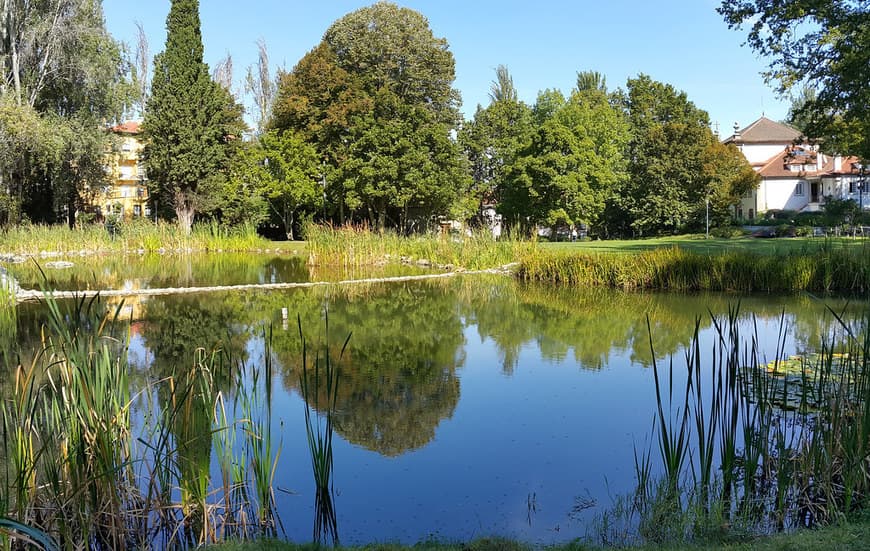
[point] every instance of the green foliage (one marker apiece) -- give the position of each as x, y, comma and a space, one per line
827, 269
669, 138
571, 167
190, 122
822, 46
65, 79
493, 140
289, 177
839, 211
376, 99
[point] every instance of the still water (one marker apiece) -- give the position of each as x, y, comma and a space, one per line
469, 407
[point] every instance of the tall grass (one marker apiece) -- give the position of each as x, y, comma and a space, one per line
755, 445
8, 319
831, 268
321, 379
131, 236
359, 246
84, 469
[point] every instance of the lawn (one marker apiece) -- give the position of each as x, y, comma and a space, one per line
697, 243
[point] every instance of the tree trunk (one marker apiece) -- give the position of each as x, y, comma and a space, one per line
288, 224
184, 211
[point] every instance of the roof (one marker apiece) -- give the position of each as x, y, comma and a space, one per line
765, 130
779, 166
128, 127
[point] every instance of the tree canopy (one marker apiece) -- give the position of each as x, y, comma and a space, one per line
571, 166
376, 98
63, 77
676, 164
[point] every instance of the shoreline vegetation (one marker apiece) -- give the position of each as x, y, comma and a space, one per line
685, 264
762, 457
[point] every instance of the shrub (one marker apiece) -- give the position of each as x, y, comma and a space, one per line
728, 232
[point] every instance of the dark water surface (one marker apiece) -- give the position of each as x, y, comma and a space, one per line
470, 407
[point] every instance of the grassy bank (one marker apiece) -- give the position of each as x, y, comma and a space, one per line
130, 237
844, 537
831, 267
713, 245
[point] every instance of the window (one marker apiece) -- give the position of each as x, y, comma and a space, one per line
751, 214
854, 186
137, 210
799, 189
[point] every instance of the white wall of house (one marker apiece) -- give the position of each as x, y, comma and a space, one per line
757, 153
846, 187
783, 194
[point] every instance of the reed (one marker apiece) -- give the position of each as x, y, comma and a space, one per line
830, 268
129, 236
789, 439
321, 378
353, 246
80, 470
8, 320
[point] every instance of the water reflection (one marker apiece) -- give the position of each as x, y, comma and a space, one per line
505, 400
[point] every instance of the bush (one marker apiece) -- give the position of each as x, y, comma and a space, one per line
785, 230
728, 232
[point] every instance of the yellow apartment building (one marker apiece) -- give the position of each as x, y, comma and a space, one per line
127, 194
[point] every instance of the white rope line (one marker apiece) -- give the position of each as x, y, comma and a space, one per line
25, 295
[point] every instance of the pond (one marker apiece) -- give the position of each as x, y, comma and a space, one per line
468, 407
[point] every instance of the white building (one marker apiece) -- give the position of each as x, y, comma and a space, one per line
794, 175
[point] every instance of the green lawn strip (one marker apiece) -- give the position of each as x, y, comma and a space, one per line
845, 537
697, 243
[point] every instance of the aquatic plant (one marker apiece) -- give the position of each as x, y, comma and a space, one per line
825, 269
790, 443
322, 377
353, 246
8, 319
129, 236
79, 469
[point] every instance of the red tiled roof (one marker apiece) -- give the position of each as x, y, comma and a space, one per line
779, 166
129, 127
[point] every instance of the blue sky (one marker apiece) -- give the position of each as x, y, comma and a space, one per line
543, 42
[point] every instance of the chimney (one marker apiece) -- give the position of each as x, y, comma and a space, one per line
838, 163
820, 161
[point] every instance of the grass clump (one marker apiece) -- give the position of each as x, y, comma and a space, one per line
128, 236
828, 269
747, 446
359, 246
83, 470
8, 317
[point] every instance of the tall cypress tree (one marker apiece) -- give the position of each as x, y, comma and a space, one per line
184, 123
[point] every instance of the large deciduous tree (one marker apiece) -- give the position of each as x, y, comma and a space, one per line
824, 44
190, 122
669, 135
494, 138
573, 164
676, 164
376, 98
